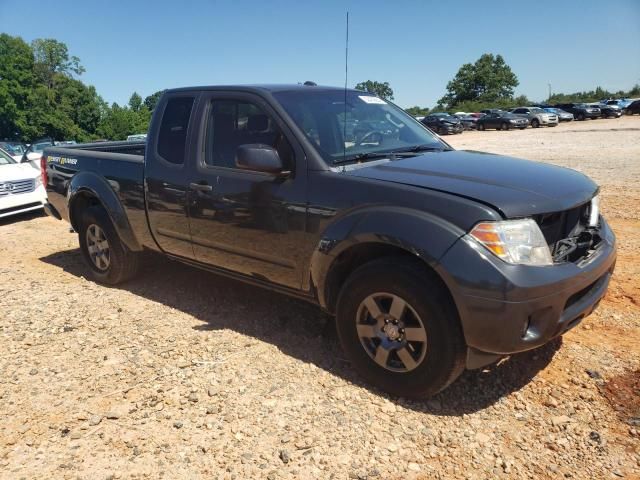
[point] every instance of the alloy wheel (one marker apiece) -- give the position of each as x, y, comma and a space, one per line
391, 332
98, 247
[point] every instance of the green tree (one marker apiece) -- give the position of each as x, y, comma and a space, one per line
489, 79
135, 102
16, 81
152, 100
381, 89
51, 58
417, 111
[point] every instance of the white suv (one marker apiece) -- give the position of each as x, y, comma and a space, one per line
537, 116
21, 188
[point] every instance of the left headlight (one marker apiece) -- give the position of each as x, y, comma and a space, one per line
519, 242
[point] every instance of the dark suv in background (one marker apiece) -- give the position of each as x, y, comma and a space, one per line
581, 111
443, 123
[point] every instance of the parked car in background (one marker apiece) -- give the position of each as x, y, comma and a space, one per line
137, 137
487, 111
562, 115
609, 111
623, 103
443, 123
536, 116
633, 108
35, 149
21, 186
15, 149
64, 143
469, 122
501, 120
580, 111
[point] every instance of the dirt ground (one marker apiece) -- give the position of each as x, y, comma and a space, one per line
183, 374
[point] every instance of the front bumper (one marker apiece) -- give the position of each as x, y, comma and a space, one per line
549, 121
23, 202
506, 309
449, 128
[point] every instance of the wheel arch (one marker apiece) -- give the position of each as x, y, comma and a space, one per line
388, 232
88, 189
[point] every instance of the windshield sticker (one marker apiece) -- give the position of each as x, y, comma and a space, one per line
372, 100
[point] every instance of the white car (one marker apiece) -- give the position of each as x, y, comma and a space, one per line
21, 188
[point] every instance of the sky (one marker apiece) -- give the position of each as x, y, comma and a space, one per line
415, 45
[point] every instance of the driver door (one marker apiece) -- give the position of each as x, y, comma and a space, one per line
248, 222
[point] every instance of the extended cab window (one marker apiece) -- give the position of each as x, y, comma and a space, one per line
233, 123
172, 138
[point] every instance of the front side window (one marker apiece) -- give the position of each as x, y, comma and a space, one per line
232, 123
172, 138
364, 125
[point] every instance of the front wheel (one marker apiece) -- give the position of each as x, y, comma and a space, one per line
398, 327
535, 123
581, 117
481, 127
109, 260
504, 126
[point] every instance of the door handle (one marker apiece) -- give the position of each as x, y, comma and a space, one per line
201, 187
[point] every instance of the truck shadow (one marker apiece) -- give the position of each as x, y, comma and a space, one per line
301, 330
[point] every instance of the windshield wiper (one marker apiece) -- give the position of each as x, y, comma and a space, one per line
427, 147
364, 156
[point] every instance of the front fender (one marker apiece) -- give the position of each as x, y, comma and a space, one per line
421, 234
104, 191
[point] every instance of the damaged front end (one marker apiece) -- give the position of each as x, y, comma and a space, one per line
572, 235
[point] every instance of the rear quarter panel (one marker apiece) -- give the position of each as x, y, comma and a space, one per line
116, 180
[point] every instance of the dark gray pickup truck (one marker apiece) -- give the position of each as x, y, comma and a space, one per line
431, 259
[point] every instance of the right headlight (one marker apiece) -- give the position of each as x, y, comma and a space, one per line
519, 242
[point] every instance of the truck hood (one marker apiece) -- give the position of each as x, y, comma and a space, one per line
18, 171
513, 186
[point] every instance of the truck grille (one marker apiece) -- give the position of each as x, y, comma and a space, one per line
16, 187
568, 234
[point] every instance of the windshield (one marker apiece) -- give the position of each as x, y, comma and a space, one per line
5, 158
14, 149
537, 110
367, 126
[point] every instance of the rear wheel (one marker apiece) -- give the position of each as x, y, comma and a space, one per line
109, 260
504, 126
481, 127
399, 329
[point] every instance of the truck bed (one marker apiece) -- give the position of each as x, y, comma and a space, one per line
121, 164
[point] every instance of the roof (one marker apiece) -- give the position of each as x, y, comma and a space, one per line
264, 88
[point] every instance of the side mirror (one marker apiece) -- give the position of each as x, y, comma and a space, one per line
259, 158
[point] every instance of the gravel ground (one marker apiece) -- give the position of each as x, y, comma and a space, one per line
183, 374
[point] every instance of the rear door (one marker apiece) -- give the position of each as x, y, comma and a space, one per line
252, 223
166, 174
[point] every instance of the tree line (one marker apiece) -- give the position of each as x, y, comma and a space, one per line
490, 83
41, 94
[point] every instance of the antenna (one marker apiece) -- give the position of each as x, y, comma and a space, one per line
346, 77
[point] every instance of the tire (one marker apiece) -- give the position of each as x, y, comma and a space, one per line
437, 353
111, 262
481, 127
535, 123
504, 126
580, 117
554, 124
